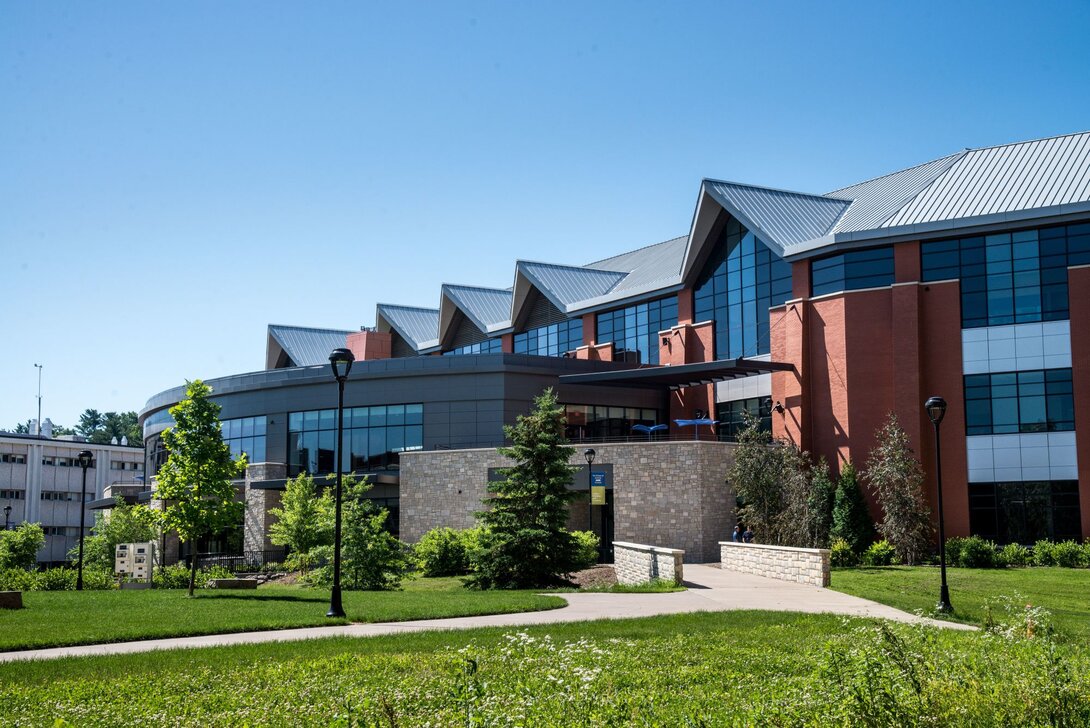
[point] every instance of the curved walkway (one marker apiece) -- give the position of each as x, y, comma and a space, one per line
710, 589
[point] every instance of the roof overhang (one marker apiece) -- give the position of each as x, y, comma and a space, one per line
679, 376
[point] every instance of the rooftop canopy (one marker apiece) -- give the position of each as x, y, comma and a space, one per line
679, 376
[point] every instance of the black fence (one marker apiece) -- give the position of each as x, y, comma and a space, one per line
248, 561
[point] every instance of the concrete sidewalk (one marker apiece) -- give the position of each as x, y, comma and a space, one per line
710, 590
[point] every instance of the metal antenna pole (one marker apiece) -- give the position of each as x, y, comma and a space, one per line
39, 432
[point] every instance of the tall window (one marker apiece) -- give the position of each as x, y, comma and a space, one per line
740, 282
852, 271
553, 340
634, 330
1024, 512
488, 346
731, 416
1010, 278
1031, 401
245, 435
374, 438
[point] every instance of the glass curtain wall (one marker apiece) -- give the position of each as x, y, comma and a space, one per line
634, 330
488, 346
245, 435
589, 422
731, 416
552, 340
852, 271
740, 282
1024, 512
374, 438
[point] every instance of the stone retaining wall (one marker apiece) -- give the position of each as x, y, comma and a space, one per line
636, 563
804, 566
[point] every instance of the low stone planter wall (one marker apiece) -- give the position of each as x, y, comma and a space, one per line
11, 600
804, 566
636, 563
232, 583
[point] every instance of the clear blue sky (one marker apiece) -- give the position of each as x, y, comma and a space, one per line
175, 176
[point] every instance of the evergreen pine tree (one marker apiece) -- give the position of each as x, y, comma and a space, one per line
526, 544
851, 521
821, 503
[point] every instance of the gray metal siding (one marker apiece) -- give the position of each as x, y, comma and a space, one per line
542, 312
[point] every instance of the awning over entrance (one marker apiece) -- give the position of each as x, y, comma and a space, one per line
679, 376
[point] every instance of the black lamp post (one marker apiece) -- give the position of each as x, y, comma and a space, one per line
936, 410
588, 454
7, 518
85, 460
341, 363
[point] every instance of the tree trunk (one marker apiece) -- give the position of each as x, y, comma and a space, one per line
193, 568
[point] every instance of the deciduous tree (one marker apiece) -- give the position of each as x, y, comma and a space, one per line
895, 476
195, 481
123, 524
305, 520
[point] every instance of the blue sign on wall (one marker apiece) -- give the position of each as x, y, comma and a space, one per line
597, 478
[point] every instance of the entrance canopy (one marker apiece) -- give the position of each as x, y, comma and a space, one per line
679, 376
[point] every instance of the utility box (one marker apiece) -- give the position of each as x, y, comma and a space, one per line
135, 561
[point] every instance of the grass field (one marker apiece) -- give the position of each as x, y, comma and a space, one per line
1064, 592
53, 619
710, 669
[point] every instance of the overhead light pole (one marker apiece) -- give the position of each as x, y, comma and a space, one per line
85, 460
588, 455
39, 432
7, 518
340, 360
936, 410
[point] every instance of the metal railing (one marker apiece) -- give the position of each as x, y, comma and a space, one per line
245, 562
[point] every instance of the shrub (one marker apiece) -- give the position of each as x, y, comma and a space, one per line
1042, 553
1068, 554
1015, 554
841, 554
19, 546
177, 576
851, 522
58, 579
586, 549
17, 580
896, 479
879, 553
442, 552
977, 553
953, 550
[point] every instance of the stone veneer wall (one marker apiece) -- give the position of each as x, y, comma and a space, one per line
636, 563
669, 493
804, 566
258, 501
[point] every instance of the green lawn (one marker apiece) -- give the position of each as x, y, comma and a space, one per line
709, 669
52, 619
1064, 592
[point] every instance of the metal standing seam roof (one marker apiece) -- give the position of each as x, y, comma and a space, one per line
418, 326
657, 265
307, 346
567, 285
488, 308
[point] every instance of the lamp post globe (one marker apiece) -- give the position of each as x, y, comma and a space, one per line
340, 361
86, 457
936, 410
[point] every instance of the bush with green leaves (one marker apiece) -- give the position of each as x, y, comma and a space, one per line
851, 520
586, 549
372, 558
304, 521
841, 554
124, 523
1015, 554
176, 576
55, 579
19, 546
896, 480
442, 552
975, 552
1042, 553
879, 553
1068, 554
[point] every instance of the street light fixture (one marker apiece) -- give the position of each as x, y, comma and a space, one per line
936, 410
340, 361
7, 518
86, 457
588, 454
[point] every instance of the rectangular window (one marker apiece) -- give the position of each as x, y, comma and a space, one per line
731, 416
13, 458
245, 435
488, 346
12, 494
1012, 402
1009, 278
374, 438
852, 271
1025, 512
597, 422
552, 340
634, 330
